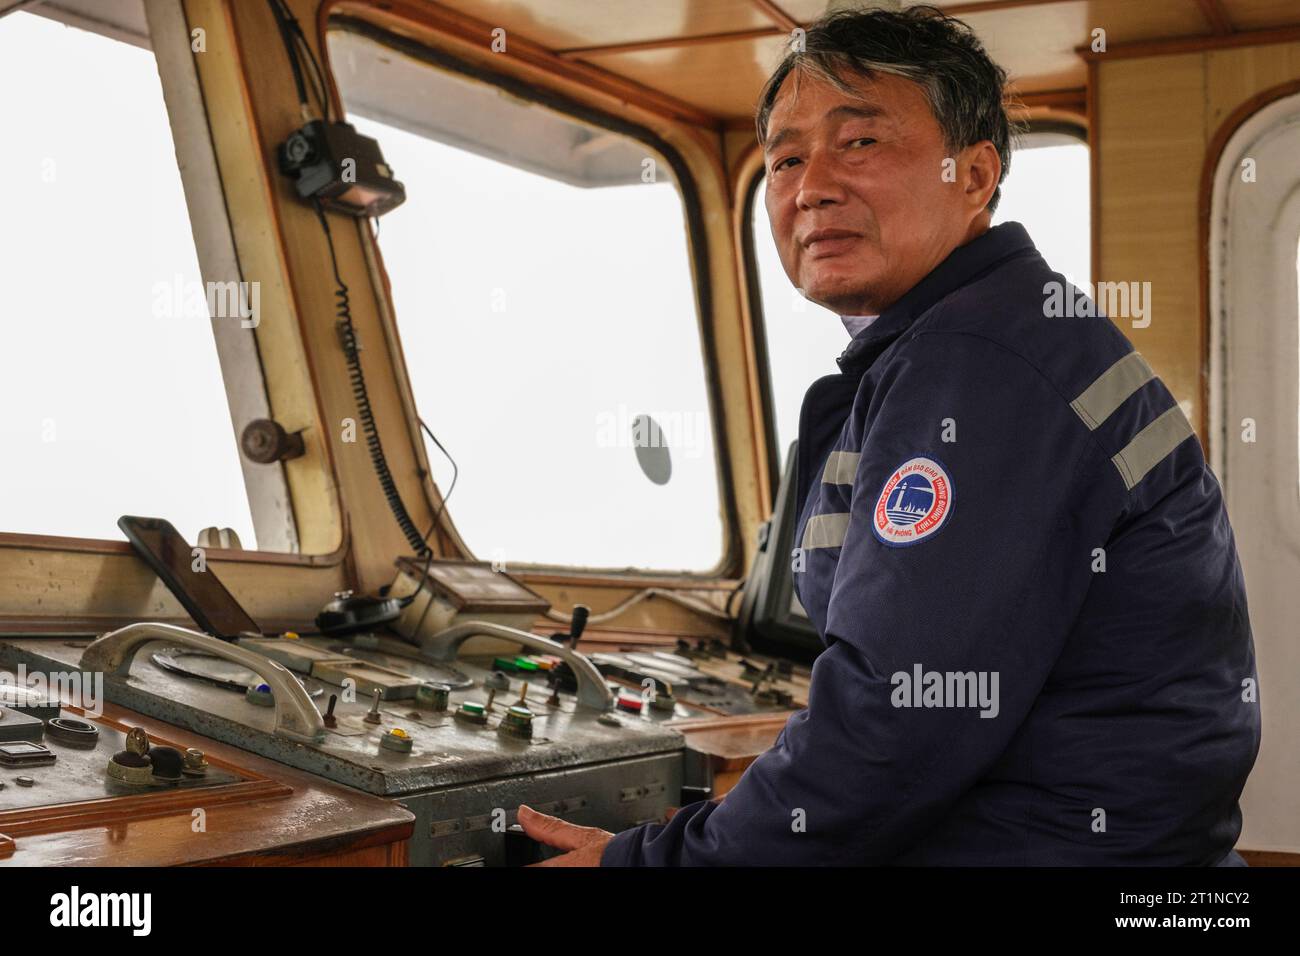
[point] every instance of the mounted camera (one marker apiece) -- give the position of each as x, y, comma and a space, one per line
334, 163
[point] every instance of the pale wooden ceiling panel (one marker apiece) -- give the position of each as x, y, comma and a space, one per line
1124, 20
1035, 43
1135, 19
723, 78
563, 24
804, 11
1261, 14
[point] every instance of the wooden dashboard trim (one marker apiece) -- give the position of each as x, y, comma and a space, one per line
280, 816
48, 542
109, 810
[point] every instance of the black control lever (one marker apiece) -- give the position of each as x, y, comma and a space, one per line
577, 625
562, 677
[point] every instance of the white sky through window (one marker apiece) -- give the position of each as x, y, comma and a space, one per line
111, 407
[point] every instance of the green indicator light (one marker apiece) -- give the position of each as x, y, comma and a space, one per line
524, 664
471, 707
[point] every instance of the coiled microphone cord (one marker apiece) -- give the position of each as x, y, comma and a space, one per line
348, 339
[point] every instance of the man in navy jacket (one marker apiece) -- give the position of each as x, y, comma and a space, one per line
1037, 643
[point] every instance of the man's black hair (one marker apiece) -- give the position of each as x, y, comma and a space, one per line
964, 87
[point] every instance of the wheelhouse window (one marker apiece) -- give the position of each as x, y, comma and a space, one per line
1046, 191
113, 391
542, 283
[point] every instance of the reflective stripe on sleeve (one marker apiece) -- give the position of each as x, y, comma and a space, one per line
825, 531
841, 467
1150, 446
1111, 388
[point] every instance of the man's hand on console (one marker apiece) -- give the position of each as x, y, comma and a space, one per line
584, 845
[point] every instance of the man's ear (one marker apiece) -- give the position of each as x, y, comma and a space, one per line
983, 169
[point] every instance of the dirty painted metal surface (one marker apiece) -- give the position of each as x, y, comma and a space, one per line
466, 824
78, 773
446, 752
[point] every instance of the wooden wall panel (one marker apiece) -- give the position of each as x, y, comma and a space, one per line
1157, 117
1259, 14
1234, 76
1151, 138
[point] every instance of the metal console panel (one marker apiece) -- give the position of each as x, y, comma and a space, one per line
465, 825
454, 768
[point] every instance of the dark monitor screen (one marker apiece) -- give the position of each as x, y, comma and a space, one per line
201, 593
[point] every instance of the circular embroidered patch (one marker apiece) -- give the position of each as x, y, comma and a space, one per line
914, 503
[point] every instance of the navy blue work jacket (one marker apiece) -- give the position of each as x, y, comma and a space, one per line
1037, 644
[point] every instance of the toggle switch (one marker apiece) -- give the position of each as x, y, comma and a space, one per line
397, 740
260, 695
132, 765
167, 763
196, 763
372, 715
517, 722
629, 702
432, 696
471, 712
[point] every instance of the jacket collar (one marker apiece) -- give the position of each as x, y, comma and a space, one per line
963, 265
